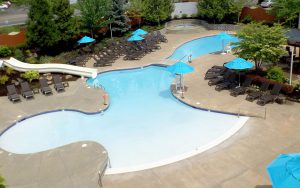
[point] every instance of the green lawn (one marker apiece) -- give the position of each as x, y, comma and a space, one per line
9, 29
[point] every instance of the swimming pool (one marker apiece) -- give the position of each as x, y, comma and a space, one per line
184, 26
199, 47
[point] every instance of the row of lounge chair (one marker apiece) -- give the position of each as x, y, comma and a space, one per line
224, 78
28, 93
130, 50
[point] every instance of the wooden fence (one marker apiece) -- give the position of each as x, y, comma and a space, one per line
13, 40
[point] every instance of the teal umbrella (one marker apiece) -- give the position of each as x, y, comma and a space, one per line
85, 40
140, 32
284, 171
239, 64
135, 38
224, 37
180, 68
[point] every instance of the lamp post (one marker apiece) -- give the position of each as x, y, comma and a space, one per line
291, 68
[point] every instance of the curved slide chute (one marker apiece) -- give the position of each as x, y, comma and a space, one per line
44, 68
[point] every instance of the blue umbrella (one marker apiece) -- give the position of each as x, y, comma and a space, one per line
284, 171
224, 37
135, 38
85, 40
180, 68
140, 32
239, 64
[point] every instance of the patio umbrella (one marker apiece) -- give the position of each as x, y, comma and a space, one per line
135, 38
140, 32
284, 171
224, 37
239, 64
85, 40
180, 68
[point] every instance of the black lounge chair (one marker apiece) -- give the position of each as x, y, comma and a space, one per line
227, 84
45, 89
220, 78
255, 95
243, 89
58, 85
26, 92
12, 93
271, 97
211, 74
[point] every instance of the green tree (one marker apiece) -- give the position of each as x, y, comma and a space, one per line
41, 29
95, 13
65, 22
31, 75
287, 10
135, 8
216, 10
260, 43
157, 10
119, 24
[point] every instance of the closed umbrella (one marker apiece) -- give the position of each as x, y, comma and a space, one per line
284, 171
224, 37
135, 38
239, 64
85, 40
180, 68
140, 32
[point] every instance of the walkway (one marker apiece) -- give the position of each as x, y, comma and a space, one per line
239, 161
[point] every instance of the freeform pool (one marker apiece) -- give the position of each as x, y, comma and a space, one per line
144, 127
184, 26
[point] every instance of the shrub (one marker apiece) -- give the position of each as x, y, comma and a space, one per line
194, 15
32, 60
184, 16
45, 59
2, 182
175, 16
19, 55
247, 19
3, 79
9, 71
276, 73
5, 51
31, 75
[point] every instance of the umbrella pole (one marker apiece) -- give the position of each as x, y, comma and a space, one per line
223, 48
239, 79
181, 86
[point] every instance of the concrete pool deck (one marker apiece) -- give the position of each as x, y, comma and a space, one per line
240, 161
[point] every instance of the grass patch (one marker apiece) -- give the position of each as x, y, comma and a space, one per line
9, 29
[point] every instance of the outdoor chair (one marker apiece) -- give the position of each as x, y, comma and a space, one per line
255, 95
227, 84
12, 93
220, 78
211, 74
243, 89
26, 92
271, 97
45, 89
58, 85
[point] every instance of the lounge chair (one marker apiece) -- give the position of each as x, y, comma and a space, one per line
220, 79
211, 74
227, 84
255, 95
12, 93
243, 89
26, 91
58, 85
271, 97
45, 89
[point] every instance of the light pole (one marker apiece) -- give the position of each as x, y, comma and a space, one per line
292, 63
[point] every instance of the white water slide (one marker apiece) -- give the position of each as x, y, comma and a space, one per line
45, 68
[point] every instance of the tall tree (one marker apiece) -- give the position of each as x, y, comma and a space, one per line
41, 29
287, 10
135, 8
216, 10
64, 20
157, 10
95, 13
119, 20
260, 43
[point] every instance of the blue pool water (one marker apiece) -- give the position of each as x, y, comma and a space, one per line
145, 126
199, 47
184, 26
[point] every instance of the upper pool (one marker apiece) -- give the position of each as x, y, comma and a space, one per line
199, 47
144, 127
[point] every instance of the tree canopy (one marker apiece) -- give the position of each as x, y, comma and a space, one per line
287, 10
261, 43
119, 19
41, 28
157, 10
95, 13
